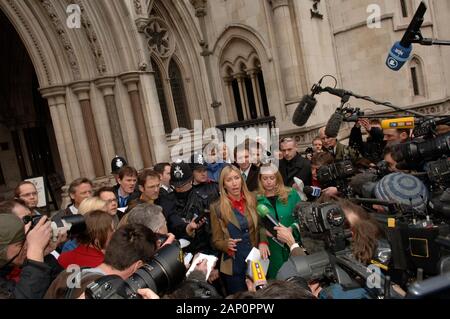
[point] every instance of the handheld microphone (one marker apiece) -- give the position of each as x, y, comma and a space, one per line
401, 51
312, 191
400, 123
268, 221
257, 274
334, 124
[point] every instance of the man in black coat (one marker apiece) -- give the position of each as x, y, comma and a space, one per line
293, 164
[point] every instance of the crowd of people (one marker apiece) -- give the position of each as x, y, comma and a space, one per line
211, 203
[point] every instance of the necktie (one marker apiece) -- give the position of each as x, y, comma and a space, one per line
244, 177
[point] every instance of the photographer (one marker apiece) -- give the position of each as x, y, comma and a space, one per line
26, 248
130, 247
373, 147
403, 189
337, 149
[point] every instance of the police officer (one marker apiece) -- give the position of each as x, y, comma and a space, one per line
204, 192
116, 164
174, 202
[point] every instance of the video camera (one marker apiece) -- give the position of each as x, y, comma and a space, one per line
326, 220
74, 223
337, 174
418, 151
162, 274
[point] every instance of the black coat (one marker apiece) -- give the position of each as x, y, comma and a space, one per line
252, 178
297, 167
34, 281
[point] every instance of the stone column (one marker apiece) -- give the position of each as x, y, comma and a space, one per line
232, 105
285, 43
106, 85
81, 89
63, 133
131, 81
243, 95
157, 134
200, 13
256, 92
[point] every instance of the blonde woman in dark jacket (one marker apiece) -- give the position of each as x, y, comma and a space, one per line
235, 229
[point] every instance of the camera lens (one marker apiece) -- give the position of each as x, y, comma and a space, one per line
163, 273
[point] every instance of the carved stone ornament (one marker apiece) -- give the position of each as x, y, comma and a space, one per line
159, 38
92, 38
137, 6
61, 32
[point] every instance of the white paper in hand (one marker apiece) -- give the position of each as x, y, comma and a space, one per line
255, 255
210, 263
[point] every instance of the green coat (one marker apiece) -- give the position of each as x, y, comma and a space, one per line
279, 255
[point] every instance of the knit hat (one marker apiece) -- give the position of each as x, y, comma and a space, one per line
11, 231
403, 189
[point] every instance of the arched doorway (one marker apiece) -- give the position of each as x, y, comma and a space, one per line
27, 140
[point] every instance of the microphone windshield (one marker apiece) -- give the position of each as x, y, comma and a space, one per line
262, 210
304, 110
334, 124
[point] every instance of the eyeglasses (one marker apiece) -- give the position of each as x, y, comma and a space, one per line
29, 194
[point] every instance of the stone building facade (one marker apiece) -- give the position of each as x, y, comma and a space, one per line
132, 71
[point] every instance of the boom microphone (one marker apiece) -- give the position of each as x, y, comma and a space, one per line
304, 110
334, 124
401, 51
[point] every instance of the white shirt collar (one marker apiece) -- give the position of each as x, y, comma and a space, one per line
73, 209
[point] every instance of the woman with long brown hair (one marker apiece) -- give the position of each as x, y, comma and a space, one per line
234, 225
365, 231
92, 242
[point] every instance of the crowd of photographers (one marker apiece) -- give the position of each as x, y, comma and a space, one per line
334, 209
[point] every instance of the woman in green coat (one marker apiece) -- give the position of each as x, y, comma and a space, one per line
281, 202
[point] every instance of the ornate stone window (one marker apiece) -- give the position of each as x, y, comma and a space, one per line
178, 95
244, 80
406, 8
171, 96
162, 98
159, 38
417, 77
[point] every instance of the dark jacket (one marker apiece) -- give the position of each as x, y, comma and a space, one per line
175, 223
34, 280
297, 167
133, 196
252, 178
372, 149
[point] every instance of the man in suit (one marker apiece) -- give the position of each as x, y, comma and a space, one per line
293, 164
249, 171
163, 169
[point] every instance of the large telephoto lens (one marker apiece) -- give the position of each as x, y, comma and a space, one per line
162, 274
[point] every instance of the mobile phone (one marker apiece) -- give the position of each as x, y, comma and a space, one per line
204, 214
